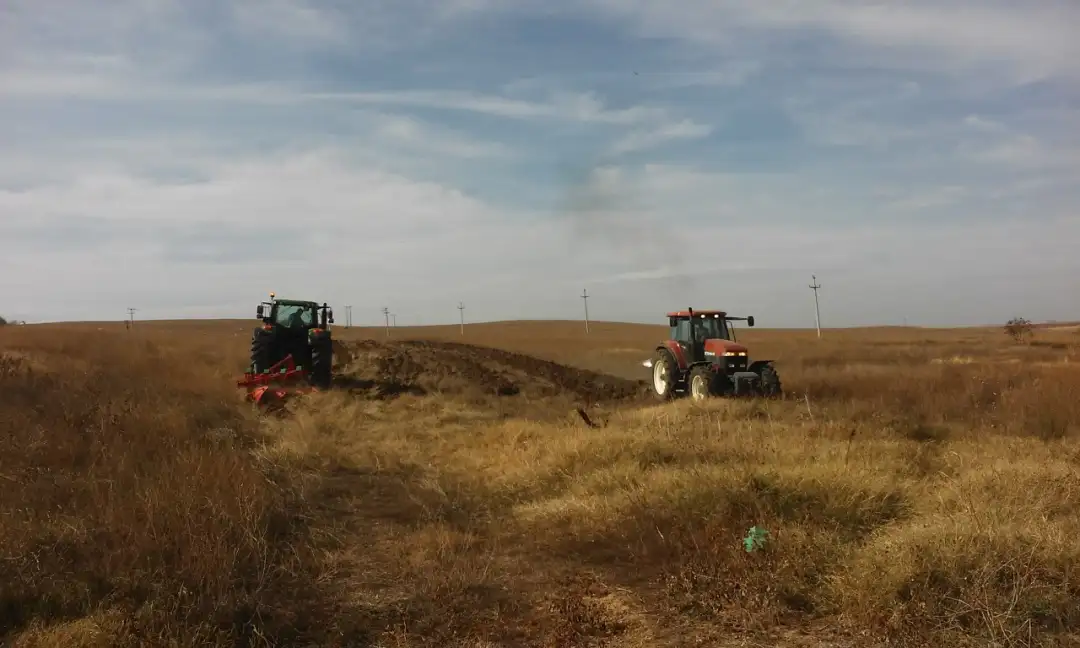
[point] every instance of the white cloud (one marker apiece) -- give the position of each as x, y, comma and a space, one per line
580, 107
294, 20
925, 199
368, 237
983, 124
583, 107
718, 74
998, 144
1032, 41
643, 139
413, 133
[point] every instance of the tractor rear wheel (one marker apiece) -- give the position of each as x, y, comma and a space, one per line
701, 383
769, 382
663, 381
260, 351
322, 358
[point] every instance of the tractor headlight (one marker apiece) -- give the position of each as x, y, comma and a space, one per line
732, 354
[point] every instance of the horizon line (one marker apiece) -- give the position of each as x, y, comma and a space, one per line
533, 320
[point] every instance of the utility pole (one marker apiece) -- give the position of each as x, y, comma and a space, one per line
131, 317
585, 299
461, 308
386, 313
393, 318
817, 308
348, 316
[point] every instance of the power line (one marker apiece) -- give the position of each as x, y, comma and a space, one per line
585, 299
386, 313
461, 308
817, 308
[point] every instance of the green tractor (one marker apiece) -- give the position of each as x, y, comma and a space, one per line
300, 329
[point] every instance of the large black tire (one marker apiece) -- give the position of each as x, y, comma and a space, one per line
322, 361
663, 377
721, 384
260, 351
769, 382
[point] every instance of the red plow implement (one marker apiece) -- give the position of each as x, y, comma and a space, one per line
278, 383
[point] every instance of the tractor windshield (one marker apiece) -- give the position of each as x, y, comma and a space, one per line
294, 316
710, 328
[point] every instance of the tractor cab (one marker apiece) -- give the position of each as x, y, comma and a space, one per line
704, 334
293, 331
294, 315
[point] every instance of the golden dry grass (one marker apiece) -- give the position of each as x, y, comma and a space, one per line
919, 486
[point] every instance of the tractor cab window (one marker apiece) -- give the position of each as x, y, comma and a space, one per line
711, 328
681, 330
294, 316
704, 328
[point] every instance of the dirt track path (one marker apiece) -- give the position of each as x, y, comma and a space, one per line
384, 369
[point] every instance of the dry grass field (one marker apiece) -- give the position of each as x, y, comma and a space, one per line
918, 487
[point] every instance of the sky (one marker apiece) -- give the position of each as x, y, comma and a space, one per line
187, 157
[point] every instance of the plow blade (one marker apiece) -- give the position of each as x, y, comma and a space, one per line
276, 384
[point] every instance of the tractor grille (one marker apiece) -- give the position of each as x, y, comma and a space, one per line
735, 363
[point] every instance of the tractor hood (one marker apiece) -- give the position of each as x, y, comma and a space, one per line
720, 347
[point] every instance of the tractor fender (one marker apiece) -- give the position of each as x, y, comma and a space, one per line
677, 352
315, 335
759, 364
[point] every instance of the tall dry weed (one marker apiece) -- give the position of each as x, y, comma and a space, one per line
128, 494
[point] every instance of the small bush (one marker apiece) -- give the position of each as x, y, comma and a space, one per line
1019, 329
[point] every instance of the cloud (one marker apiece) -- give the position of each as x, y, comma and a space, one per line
639, 140
934, 197
957, 36
996, 143
185, 158
316, 224
413, 133
292, 20
583, 107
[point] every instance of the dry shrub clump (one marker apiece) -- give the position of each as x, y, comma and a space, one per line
131, 511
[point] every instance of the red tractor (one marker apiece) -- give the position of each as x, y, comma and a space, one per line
701, 358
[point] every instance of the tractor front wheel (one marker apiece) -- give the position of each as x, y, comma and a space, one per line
663, 381
769, 382
701, 384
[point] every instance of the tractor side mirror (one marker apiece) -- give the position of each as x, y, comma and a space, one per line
259, 312
750, 321
331, 317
